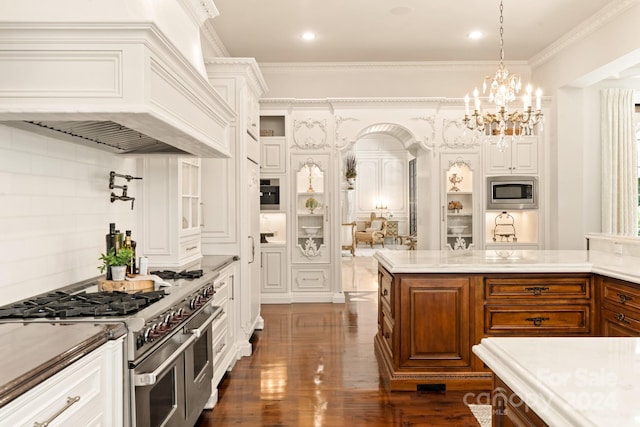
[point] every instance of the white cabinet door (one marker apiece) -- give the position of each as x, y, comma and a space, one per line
461, 202
273, 154
274, 272
311, 224
519, 157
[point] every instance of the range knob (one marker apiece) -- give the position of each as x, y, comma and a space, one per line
195, 302
208, 292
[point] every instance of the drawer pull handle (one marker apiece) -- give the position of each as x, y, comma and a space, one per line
537, 321
70, 401
620, 318
387, 335
190, 248
385, 292
624, 298
537, 290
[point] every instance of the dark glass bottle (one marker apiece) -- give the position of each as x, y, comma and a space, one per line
130, 244
111, 244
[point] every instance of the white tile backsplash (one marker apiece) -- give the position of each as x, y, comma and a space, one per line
55, 211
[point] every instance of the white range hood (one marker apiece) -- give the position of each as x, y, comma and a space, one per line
125, 76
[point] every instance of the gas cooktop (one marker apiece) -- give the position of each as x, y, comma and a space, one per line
64, 305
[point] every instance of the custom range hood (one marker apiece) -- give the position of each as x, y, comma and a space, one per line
126, 76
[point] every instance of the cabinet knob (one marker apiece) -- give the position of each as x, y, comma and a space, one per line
620, 318
624, 298
537, 321
385, 292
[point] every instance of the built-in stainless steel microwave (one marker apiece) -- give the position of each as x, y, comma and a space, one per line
512, 192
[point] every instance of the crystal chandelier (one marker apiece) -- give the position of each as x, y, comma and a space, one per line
503, 89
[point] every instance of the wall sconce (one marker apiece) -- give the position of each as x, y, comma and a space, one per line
381, 207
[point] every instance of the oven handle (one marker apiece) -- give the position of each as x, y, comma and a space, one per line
198, 332
150, 378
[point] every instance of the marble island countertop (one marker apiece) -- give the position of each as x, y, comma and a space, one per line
511, 261
565, 388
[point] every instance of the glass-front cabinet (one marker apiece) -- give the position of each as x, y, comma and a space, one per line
311, 230
460, 202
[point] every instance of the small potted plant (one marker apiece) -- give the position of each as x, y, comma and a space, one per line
311, 204
350, 169
116, 262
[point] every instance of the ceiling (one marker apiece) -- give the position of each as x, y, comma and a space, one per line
395, 30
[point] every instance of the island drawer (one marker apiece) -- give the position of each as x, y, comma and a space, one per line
385, 285
558, 319
619, 322
387, 331
552, 287
621, 294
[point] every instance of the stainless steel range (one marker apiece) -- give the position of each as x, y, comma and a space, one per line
168, 344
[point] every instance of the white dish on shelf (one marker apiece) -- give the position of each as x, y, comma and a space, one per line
311, 230
457, 229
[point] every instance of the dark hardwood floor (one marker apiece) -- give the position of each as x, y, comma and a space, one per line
313, 365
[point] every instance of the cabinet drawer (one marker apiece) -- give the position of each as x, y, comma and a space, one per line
310, 280
561, 319
621, 294
618, 321
387, 330
189, 247
539, 288
79, 388
384, 283
220, 347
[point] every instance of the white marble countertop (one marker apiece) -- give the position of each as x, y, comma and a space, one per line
565, 388
511, 261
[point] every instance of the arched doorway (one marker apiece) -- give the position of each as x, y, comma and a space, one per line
384, 152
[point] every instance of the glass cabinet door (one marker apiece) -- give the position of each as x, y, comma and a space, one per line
458, 218
310, 207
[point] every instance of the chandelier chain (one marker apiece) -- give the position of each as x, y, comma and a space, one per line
501, 34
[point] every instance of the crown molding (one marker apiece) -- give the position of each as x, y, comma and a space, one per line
387, 66
248, 66
208, 33
589, 26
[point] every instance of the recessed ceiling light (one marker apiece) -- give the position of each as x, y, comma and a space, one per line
308, 36
475, 35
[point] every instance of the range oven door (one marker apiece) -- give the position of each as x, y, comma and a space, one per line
172, 385
159, 385
199, 363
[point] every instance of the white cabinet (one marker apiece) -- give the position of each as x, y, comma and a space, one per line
519, 157
171, 211
224, 328
273, 283
273, 154
460, 201
87, 393
311, 223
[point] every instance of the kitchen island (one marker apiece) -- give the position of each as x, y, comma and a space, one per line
434, 306
564, 381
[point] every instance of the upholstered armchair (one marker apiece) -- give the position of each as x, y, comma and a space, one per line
374, 232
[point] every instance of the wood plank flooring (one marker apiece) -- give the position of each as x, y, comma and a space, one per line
313, 365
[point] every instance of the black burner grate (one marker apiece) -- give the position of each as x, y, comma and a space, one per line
64, 305
174, 275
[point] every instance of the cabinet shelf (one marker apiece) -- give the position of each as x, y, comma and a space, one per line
459, 235
459, 193
311, 215
460, 214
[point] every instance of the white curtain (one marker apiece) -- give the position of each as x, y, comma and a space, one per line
619, 163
